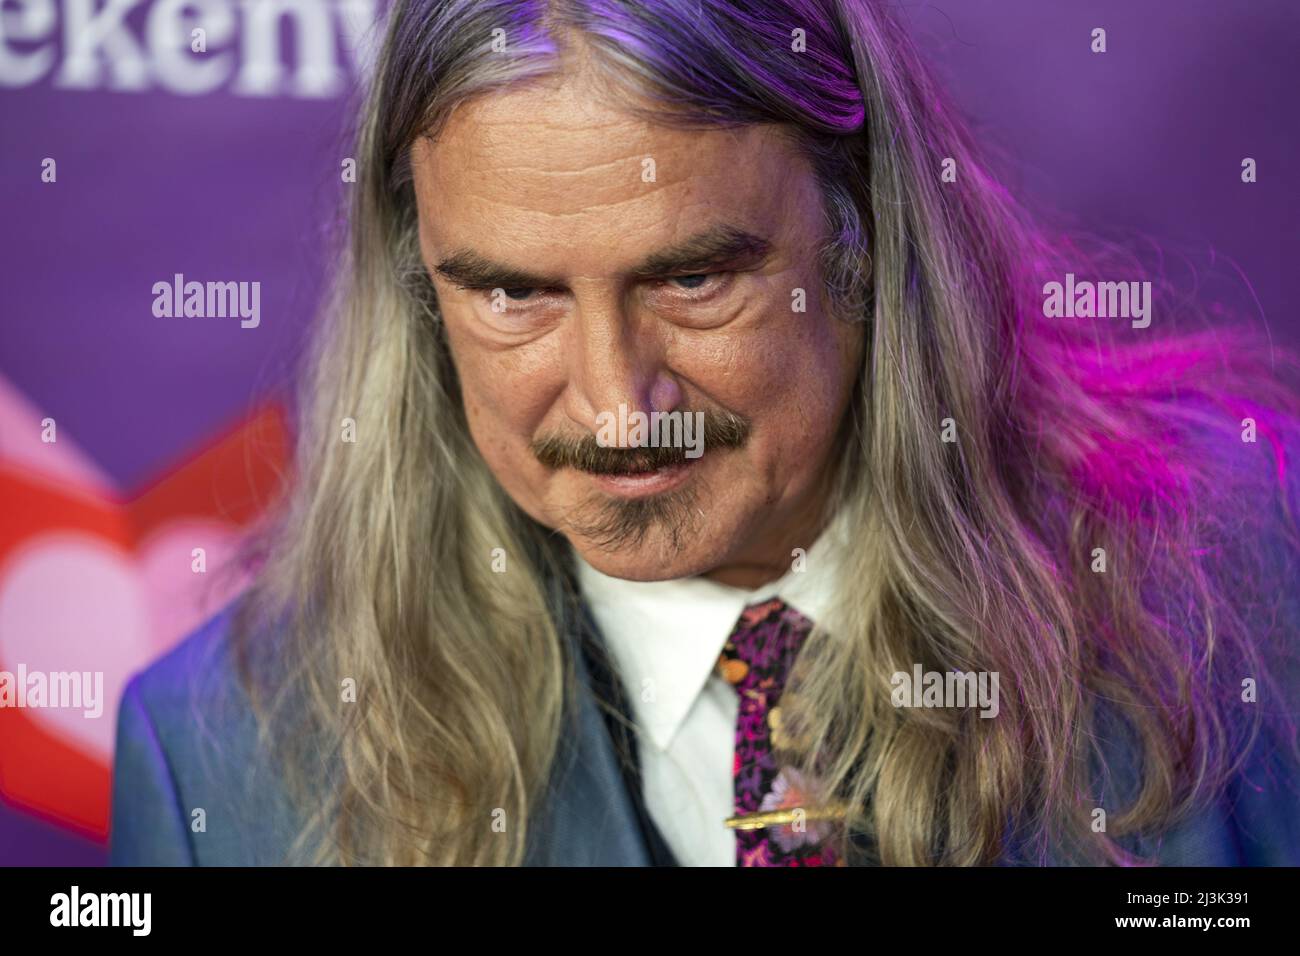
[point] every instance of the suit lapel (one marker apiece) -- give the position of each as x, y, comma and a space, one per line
589, 816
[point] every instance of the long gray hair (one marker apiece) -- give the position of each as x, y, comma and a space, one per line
974, 555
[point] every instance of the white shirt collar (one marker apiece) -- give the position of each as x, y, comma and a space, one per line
665, 636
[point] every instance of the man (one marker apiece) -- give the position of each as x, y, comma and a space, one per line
893, 613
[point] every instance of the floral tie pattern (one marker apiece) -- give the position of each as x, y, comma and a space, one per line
756, 661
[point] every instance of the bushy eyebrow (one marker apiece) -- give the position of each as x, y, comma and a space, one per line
720, 245
473, 271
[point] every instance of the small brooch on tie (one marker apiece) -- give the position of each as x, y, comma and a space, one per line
786, 817
782, 807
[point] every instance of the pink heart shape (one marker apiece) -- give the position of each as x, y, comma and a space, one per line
71, 601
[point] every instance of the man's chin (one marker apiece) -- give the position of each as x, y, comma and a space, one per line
648, 537
651, 559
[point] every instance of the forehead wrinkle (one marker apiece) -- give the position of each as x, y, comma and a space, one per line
562, 170
497, 121
588, 208
552, 195
583, 170
497, 131
694, 168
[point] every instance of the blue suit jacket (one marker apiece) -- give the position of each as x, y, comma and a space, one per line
186, 740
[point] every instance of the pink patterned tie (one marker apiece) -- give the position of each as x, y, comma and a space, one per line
756, 661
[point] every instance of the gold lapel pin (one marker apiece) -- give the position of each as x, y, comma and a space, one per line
776, 818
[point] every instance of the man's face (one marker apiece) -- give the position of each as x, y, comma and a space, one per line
651, 268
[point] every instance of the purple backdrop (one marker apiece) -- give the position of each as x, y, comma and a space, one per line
233, 174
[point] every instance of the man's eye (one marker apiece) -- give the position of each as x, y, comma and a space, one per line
695, 290
693, 282
501, 299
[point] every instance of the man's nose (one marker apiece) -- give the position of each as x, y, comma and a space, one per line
614, 362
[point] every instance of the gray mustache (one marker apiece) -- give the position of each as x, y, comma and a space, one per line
721, 430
